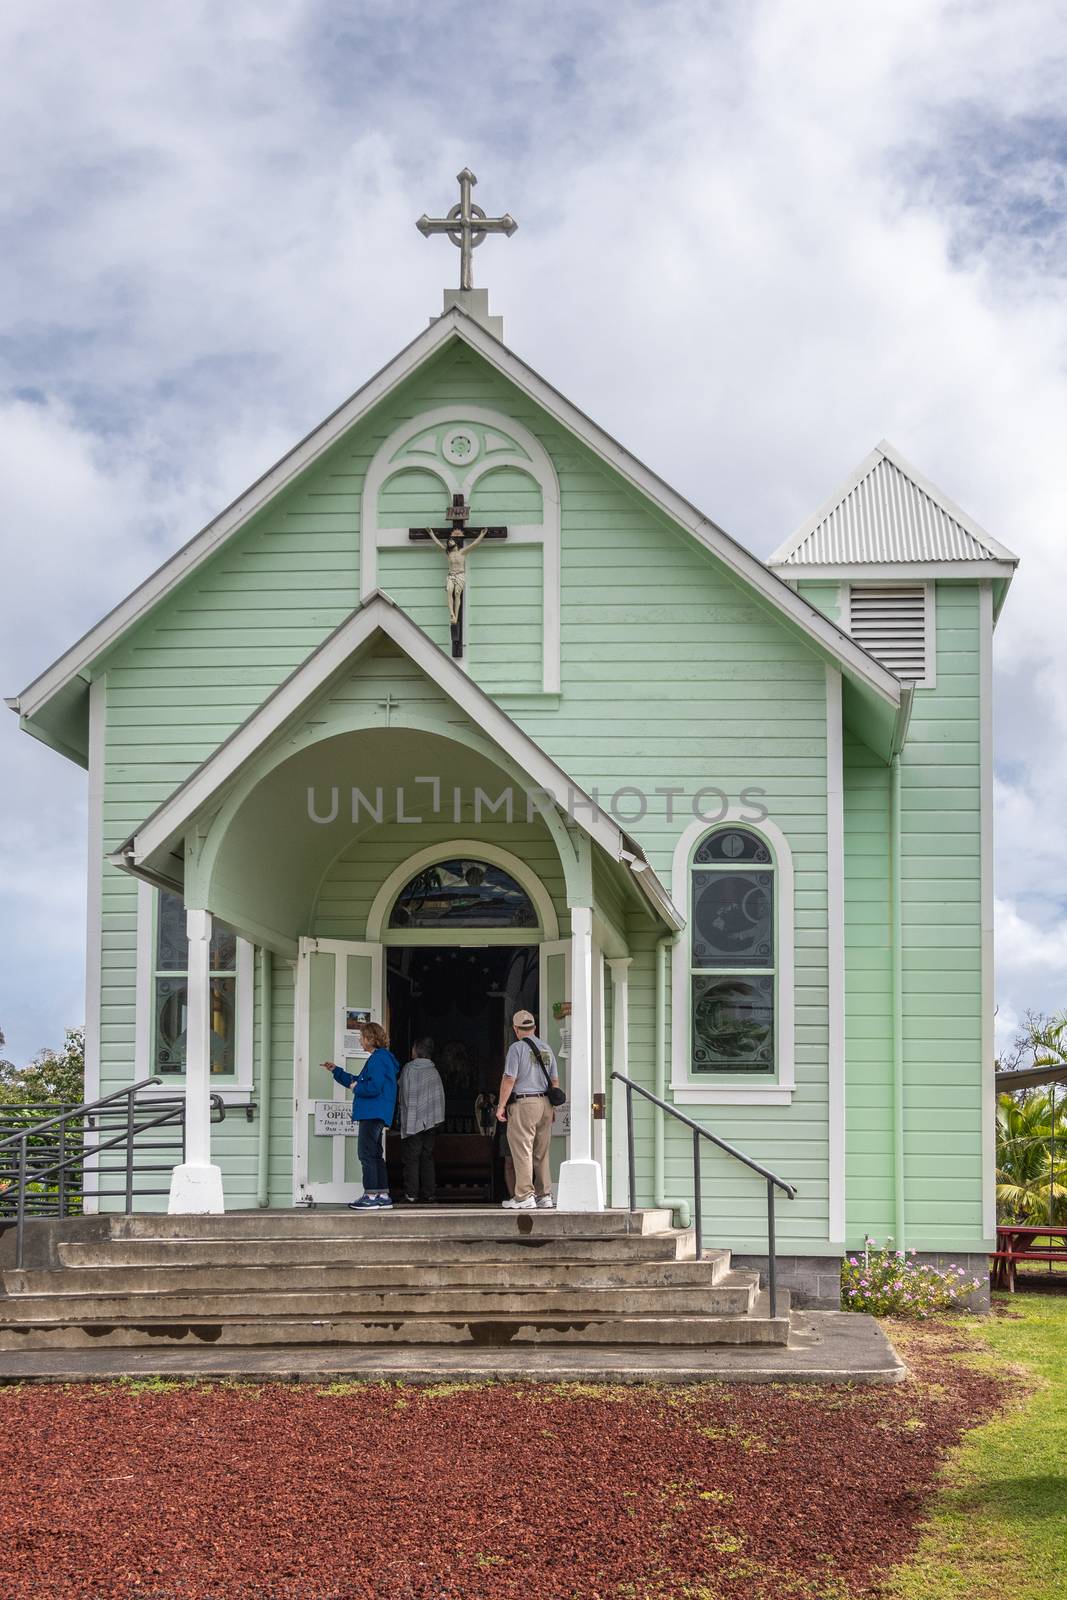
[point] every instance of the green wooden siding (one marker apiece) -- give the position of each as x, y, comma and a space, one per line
940, 911
868, 996
941, 859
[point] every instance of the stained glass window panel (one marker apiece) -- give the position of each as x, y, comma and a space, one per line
733, 1024
172, 946
223, 949
172, 1005
733, 919
172, 1021
223, 1026
463, 894
732, 845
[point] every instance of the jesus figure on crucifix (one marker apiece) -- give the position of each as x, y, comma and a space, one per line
456, 550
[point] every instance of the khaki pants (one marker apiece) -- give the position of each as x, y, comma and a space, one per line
529, 1139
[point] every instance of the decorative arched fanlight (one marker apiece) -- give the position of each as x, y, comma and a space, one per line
463, 894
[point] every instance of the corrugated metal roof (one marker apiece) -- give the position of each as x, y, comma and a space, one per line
886, 512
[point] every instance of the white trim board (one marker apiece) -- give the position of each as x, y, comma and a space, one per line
457, 324
893, 571
835, 958
94, 925
686, 1089
380, 614
988, 990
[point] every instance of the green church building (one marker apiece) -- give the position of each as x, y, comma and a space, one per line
724, 825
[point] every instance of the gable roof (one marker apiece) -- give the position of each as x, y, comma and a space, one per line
379, 614
831, 640
886, 511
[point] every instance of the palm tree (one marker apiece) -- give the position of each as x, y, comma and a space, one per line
1031, 1158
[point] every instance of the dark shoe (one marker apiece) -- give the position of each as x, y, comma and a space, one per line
411, 1199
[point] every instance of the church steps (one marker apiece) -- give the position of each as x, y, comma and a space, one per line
489, 1274
673, 1244
433, 1278
733, 1295
441, 1223
670, 1332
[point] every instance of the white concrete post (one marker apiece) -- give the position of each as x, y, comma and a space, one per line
620, 1062
196, 1185
581, 1180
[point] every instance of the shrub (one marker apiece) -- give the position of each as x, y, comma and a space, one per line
890, 1283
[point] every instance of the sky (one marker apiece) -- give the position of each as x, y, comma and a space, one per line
755, 237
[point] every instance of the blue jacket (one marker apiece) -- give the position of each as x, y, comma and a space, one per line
374, 1091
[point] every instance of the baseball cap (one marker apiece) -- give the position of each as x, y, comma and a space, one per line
524, 1019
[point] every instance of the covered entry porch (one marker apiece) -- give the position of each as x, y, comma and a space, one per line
377, 762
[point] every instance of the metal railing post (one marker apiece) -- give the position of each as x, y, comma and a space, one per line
129, 1151
631, 1160
20, 1213
698, 1220
62, 1169
772, 1261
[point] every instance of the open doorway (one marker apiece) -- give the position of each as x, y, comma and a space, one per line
464, 999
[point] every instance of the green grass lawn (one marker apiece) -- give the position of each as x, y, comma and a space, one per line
999, 1526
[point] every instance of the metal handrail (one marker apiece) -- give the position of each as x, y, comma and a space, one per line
80, 1111
95, 1115
700, 1132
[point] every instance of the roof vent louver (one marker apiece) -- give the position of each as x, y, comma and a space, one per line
890, 622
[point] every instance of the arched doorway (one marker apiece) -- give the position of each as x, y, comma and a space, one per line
459, 936
462, 940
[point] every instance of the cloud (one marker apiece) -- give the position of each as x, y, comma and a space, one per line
753, 240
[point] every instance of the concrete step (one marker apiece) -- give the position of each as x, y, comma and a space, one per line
824, 1347
670, 1332
672, 1244
451, 1222
542, 1273
733, 1296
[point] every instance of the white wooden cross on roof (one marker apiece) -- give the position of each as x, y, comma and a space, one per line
467, 226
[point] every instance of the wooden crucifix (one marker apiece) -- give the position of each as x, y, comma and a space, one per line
453, 540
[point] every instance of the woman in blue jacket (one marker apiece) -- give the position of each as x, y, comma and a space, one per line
373, 1104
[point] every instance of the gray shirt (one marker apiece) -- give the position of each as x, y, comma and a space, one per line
422, 1097
521, 1065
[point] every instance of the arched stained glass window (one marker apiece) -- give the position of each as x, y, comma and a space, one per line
463, 894
732, 953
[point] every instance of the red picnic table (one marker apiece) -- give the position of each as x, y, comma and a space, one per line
1016, 1241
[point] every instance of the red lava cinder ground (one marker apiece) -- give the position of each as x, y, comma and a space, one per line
291, 1492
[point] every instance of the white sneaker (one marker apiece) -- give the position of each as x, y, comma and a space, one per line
545, 1202
529, 1204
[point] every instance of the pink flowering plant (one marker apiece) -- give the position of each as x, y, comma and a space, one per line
893, 1283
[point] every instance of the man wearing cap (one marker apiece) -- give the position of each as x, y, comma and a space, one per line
529, 1072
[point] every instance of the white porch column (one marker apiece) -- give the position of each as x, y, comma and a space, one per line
581, 1180
620, 1062
196, 1185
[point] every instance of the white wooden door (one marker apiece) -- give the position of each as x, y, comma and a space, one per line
333, 976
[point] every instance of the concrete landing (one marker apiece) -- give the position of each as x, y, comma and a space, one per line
824, 1347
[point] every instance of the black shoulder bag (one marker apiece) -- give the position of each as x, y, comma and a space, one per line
553, 1093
